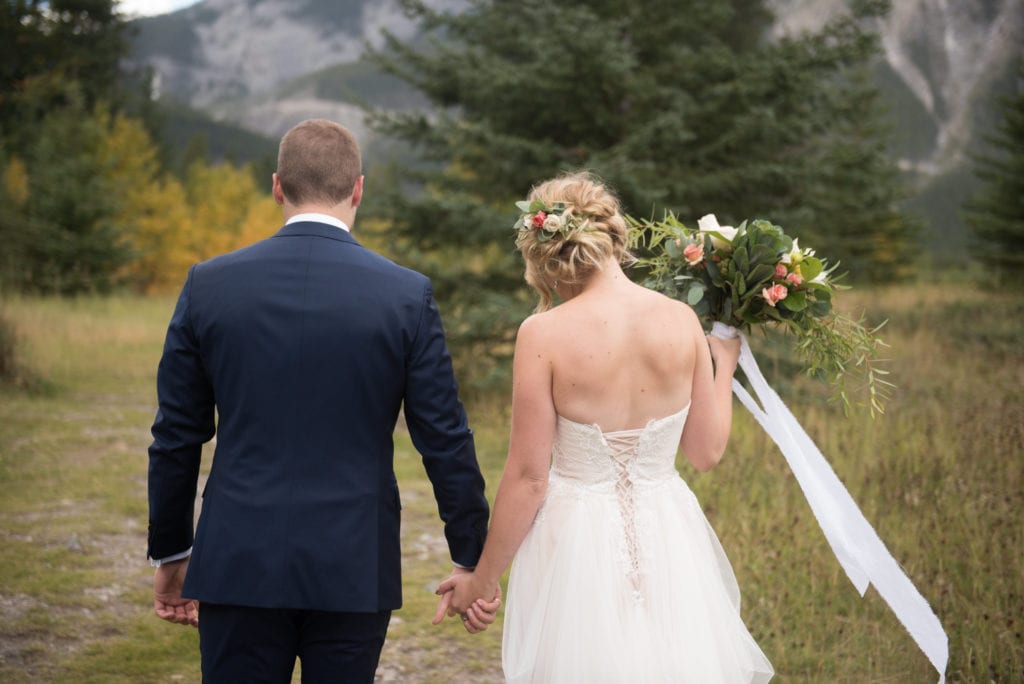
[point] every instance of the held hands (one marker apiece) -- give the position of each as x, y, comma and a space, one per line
464, 594
167, 600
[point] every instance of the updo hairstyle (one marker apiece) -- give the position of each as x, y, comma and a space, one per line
571, 259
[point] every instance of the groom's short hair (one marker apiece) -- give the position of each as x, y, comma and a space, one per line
318, 162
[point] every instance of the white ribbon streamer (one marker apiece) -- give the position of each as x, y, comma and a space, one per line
855, 543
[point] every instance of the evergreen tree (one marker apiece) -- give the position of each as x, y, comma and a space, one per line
681, 105
996, 213
59, 68
74, 244
47, 45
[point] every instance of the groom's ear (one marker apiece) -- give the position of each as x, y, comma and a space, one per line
357, 192
276, 191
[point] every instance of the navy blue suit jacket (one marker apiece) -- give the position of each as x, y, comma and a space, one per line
299, 351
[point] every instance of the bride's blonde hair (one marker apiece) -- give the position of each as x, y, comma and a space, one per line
572, 257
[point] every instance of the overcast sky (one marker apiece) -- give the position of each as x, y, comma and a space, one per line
142, 8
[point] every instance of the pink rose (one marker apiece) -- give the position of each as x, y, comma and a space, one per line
538, 219
693, 254
794, 279
774, 294
780, 271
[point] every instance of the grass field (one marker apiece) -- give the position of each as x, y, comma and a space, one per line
940, 476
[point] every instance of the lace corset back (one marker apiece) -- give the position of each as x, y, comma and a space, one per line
621, 463
624, 458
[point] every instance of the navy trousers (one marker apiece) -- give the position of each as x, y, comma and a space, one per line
260, 645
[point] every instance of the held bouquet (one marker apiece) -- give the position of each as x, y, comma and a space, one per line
755, 275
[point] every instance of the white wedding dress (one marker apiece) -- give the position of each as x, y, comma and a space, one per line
621, 578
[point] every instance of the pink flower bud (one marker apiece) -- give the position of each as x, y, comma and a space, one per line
780, 271
774, 294
794, 279
693, 254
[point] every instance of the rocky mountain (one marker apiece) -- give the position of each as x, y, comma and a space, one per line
266, 64
942, 58
251, 61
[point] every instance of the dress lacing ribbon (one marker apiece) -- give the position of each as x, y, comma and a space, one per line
623, 448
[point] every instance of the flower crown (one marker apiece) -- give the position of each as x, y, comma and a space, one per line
548, 221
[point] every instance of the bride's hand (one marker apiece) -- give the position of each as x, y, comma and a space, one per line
725, 353
481, 614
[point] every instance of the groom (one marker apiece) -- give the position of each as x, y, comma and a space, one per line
299, 352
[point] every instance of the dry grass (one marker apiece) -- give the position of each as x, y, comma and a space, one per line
941, 477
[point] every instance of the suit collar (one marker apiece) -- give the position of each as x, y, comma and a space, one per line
316, 229
318, 218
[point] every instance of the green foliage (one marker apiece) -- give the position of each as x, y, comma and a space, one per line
996, 214
44, 46
62, 236
59, 65
680, 106
9, 367
757, 276
84, 190
186, 136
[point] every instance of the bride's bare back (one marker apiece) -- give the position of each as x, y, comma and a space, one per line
617, 355
621, 355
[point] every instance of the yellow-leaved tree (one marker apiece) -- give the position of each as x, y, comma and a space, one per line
168, 224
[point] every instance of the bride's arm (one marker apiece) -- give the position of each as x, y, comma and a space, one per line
710, 419
524, 482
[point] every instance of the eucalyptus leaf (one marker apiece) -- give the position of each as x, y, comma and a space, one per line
762, 254
741, 258
794, 301
523, 206
760, 274
672, 249
695, 294
714, 274
739, 284
810, 268
820, 309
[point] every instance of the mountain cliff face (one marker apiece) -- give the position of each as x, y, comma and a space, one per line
267, 64
233, 58
946, 56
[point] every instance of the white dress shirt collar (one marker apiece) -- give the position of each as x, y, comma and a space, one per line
319, 218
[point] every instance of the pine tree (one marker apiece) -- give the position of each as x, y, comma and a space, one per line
680, 105
996, 213
45, 47
74, 244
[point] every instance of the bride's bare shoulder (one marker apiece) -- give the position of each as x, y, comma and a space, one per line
672, 308
535, 326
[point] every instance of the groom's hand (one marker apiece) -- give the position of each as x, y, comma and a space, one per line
167, 601
476, 617
444, 605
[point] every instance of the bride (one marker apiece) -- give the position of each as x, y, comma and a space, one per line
616, 574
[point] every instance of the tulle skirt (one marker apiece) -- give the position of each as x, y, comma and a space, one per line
586, 605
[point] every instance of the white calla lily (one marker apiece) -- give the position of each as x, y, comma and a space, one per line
709, 224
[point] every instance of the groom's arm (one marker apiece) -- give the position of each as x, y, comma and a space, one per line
440, 431
184, 422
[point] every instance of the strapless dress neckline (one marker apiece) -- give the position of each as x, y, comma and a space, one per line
650, 423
